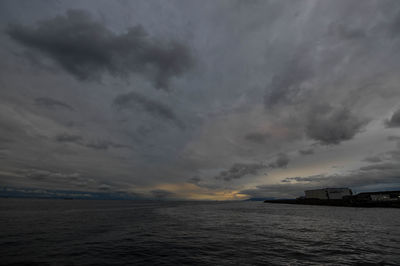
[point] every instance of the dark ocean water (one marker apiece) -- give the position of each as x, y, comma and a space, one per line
83, 232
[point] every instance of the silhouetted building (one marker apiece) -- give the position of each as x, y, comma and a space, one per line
378, 196
328, 193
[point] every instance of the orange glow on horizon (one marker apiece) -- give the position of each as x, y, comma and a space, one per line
188, 191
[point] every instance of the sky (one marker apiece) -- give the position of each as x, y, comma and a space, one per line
199, 100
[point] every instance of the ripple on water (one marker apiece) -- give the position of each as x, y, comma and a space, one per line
57, 232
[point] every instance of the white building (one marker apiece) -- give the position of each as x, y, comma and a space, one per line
328, 193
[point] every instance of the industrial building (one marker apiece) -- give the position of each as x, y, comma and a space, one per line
380, 196
328, 193
344, 197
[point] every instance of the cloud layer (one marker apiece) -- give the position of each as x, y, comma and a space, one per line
330, 125
86, 48
199, 99
394, 121
135, 101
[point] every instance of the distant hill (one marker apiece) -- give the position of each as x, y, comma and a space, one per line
259, 199
12, 192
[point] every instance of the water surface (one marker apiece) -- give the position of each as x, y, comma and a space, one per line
84, 232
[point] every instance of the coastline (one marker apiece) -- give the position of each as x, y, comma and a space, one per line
339, 203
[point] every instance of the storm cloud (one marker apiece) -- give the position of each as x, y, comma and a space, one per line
92, 144
239, 170
281, 161
199, 99
52, 103
104, 145
86, 48
136, 101
373, 159
330, 125
286, 87
258, 137
68, 138
306, 152
394, 120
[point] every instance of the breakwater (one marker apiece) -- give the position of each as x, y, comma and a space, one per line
387, 199
337, 203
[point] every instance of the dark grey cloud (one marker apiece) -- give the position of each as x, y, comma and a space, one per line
373, 159
393, 26
381, 167
69, 138
239, 170
104, 145
136, 101
330, 125
43, 174
51, 103
93, 144
194, 180
281, 161
344, 32
86, 48
314, 178
286, 190
258, 137
394, 120
38, 175
305, 73
286, 86
395, 155
393, 138
104, 187
306, 152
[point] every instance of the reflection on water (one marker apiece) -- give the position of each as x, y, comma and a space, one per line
75, 232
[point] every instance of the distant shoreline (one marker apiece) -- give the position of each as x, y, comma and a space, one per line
339, 203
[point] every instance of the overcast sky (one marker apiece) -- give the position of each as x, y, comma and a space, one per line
200, 99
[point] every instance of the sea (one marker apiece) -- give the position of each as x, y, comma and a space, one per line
96, 232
